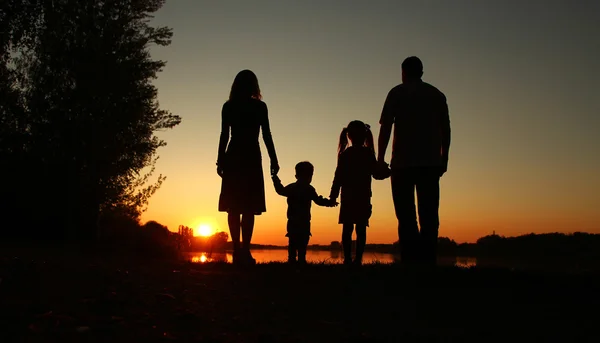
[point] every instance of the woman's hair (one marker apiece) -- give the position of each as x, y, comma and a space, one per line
245, 86
359, 134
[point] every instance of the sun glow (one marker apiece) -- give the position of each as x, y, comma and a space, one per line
204, 230
200, 259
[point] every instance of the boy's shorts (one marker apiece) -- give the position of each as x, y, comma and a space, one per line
298, 228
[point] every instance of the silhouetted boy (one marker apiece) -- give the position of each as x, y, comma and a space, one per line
300, 196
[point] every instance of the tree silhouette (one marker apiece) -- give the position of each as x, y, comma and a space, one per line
78, 111
219, 239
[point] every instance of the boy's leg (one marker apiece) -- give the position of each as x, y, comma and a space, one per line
303, 238
292, 249
302, 246
361, 241
292, 244
347, 242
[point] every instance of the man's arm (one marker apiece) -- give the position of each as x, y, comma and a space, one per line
445, 130
385, 131
445, 121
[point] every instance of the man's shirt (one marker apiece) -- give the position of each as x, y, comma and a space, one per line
421, 133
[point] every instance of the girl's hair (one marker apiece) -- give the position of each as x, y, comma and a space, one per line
359, 134
245, 86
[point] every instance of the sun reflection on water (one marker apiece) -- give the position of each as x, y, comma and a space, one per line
210, 257
314, 256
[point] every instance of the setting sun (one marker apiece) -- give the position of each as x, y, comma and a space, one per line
204, 230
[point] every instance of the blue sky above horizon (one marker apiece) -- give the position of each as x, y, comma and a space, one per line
520, 78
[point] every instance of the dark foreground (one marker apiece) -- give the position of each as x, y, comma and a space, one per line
99, 300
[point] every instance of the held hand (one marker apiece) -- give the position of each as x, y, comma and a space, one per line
274, 169
382, 171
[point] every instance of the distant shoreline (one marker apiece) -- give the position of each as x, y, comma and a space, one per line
580, 247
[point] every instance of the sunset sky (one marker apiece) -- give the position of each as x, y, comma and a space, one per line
521, 79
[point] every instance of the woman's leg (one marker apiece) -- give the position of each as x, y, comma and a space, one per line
233, 219
347, 242
361, 241
247, 230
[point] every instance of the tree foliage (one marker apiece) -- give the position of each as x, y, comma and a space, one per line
79, 113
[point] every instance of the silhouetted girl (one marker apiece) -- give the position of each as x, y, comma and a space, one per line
356, 164
239, 162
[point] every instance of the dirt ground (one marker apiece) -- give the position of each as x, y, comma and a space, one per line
71, 298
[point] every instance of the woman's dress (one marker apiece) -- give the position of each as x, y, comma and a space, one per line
243, 187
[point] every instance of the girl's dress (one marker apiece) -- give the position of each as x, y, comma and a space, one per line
353, 175
243, 187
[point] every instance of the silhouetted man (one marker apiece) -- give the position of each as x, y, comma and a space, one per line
419, 113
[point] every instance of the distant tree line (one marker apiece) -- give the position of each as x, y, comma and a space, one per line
78, 116
126, 235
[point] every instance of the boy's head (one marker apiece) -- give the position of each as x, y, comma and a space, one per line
304, 171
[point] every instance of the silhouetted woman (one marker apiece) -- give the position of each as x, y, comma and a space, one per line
239, 163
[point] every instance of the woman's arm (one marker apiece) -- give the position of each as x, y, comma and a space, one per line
268, 138
224, 139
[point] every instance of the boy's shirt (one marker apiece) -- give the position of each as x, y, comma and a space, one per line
300, 196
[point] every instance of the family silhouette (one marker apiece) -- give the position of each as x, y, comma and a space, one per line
418, 114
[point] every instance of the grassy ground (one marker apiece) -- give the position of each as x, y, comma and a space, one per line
86, 299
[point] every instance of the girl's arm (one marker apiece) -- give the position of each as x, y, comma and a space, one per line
268, 138
320, 200
337, 179
224, 139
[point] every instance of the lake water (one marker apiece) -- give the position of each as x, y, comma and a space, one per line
317, 256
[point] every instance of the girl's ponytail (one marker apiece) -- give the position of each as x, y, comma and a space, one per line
369, 142
343, 141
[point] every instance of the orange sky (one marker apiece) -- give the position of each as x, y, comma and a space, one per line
524, 116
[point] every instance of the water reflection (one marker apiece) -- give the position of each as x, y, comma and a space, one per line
466, 262
336, 254
204, 257
320, 256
